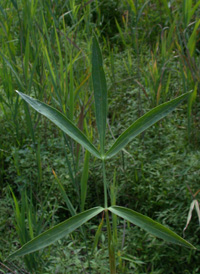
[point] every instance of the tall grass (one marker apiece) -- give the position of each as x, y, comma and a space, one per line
44, 60
45, 69
101, 108
45, 53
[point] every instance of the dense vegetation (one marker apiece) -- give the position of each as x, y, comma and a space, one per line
151, 55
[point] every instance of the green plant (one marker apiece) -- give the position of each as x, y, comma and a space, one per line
187, 47
28, 225
150, 118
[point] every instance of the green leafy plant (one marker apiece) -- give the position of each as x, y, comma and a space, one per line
67, 126
28, 225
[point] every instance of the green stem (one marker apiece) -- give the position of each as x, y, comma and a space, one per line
105, 186
110, 242
110, 246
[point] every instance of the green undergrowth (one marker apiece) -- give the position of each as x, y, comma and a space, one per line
152, 178
159, 170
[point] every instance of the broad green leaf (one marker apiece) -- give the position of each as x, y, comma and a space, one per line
57, 232
149, 225
62, 122
100, 91
143, 123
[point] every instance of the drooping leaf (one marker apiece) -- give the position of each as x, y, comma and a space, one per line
100, 91
149, 225
57, 232
143, 123
62, 122
195, 204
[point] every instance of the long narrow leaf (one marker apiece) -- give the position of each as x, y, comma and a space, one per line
12, 69
100, 91
143, 123
62, 122
149, 225
97, 235
57, 232
65, 196
192, 41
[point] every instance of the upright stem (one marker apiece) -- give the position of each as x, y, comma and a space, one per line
105, 185
110, 241
111, 247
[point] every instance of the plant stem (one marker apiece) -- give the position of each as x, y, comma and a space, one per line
105, 186
110, 246
110, 242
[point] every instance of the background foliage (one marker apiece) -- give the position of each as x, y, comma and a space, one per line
151, 55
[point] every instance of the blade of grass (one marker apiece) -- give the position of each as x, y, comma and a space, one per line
192, 40
190, 103
26, 57
57, 232
71, 91
60, 58
100, 92
143, 123
149, 225
62, 122
98, 233
65, 196
13, 70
